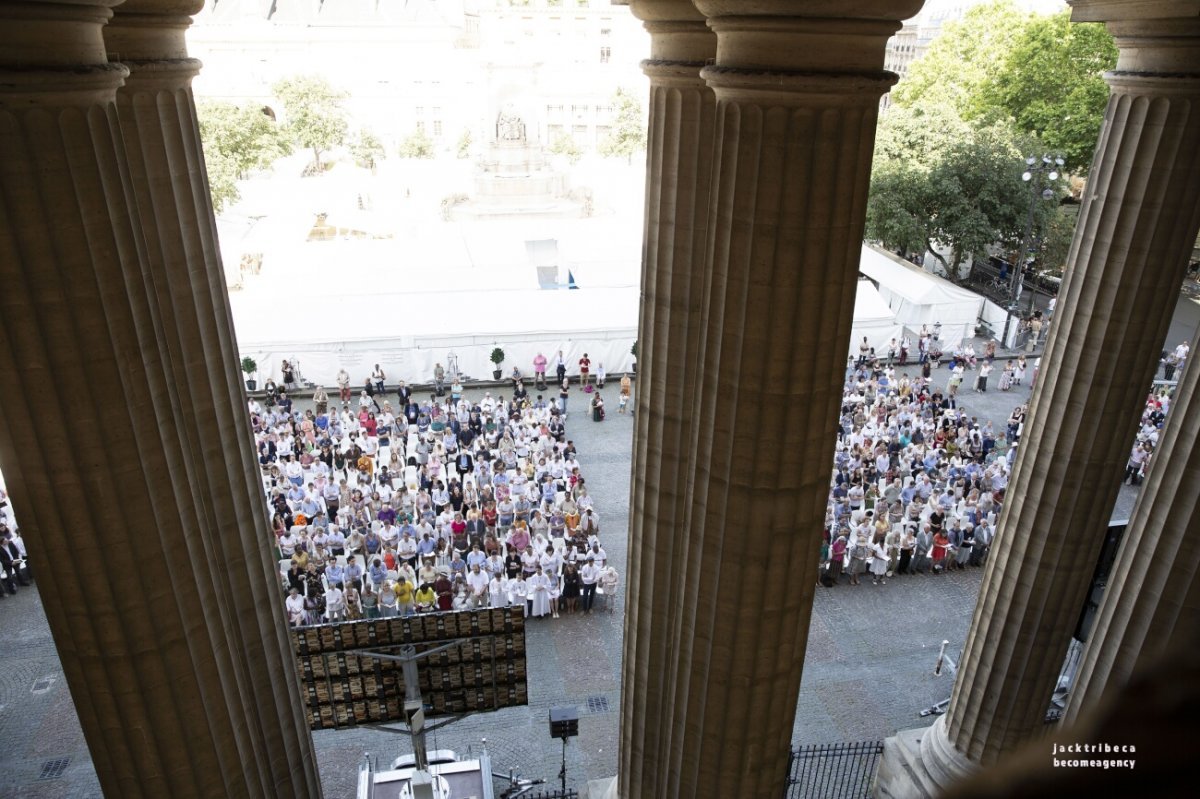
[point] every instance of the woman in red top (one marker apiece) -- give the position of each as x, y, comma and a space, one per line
938, 552
490, 516
370, 425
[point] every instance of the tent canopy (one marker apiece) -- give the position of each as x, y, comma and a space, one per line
918, 297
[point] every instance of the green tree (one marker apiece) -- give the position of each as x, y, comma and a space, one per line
628, 134
417, 145
315, 117
367, 149
464, 144
1042, 71
237, 139
1052, 84
222, 178
965, 57
954, 185
565, 144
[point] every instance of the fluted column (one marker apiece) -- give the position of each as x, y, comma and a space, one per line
1132, 242
1153, 593
678, 172
92, 439
797, 87
162, 141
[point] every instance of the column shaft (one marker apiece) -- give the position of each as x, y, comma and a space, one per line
797, 100
678, 171
1154, 591
1131, 245
100, 450
162, 142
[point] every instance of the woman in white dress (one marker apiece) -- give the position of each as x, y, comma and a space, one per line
539, 593
879, 562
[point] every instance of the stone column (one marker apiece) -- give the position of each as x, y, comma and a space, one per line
1154, 593
678, 173
1132, 242
92, 445
797, 90
162, 143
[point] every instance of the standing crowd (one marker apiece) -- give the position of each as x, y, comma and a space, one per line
918, 483
444, 503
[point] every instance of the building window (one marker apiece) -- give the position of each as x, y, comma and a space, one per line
579, 132
553, 132
437, 127
605, 54
420, 126
578, 110
420, 110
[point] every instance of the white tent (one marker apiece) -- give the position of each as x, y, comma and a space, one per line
873, 320
918, 298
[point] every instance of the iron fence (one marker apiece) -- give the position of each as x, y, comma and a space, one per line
551, 794
833, 771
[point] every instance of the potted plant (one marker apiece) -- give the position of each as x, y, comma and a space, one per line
497, 357
250, 366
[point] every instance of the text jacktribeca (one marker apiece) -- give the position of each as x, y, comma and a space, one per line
1099, 749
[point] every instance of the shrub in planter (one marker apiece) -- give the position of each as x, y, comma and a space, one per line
250, 366
497, 357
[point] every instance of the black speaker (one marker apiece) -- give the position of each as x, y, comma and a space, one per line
1104, 569
564, 722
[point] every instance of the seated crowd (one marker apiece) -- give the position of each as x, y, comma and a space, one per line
445, 504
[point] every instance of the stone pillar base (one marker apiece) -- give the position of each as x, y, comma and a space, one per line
601, 789
918, 764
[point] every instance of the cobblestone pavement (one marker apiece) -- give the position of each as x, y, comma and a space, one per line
868, 671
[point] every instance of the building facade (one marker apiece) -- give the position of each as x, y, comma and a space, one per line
441, 68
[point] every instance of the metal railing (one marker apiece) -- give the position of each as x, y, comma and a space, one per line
833, 771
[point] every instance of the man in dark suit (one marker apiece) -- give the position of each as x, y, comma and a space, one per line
11, 562
464, 464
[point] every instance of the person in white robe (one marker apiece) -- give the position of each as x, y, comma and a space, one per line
539, 593
497, 593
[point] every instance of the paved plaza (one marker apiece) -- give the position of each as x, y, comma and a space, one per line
868, 672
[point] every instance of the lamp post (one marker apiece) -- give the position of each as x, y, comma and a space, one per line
1039, 174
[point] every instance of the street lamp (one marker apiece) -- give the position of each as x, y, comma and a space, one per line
1039, 174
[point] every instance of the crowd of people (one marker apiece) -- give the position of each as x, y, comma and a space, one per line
14, 565
918, 483
445, 503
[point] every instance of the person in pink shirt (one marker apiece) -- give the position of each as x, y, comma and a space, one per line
539, 369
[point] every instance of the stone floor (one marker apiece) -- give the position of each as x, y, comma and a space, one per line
868, 673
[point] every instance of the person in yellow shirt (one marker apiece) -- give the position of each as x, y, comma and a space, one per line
426, 599
404, 597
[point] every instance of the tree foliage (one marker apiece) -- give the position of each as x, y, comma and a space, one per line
965, 57
367, 149
940, 182
1052, 84
315, 117
417, 145
1042, 72
237, 139
565, 144
464, 144
628, 133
